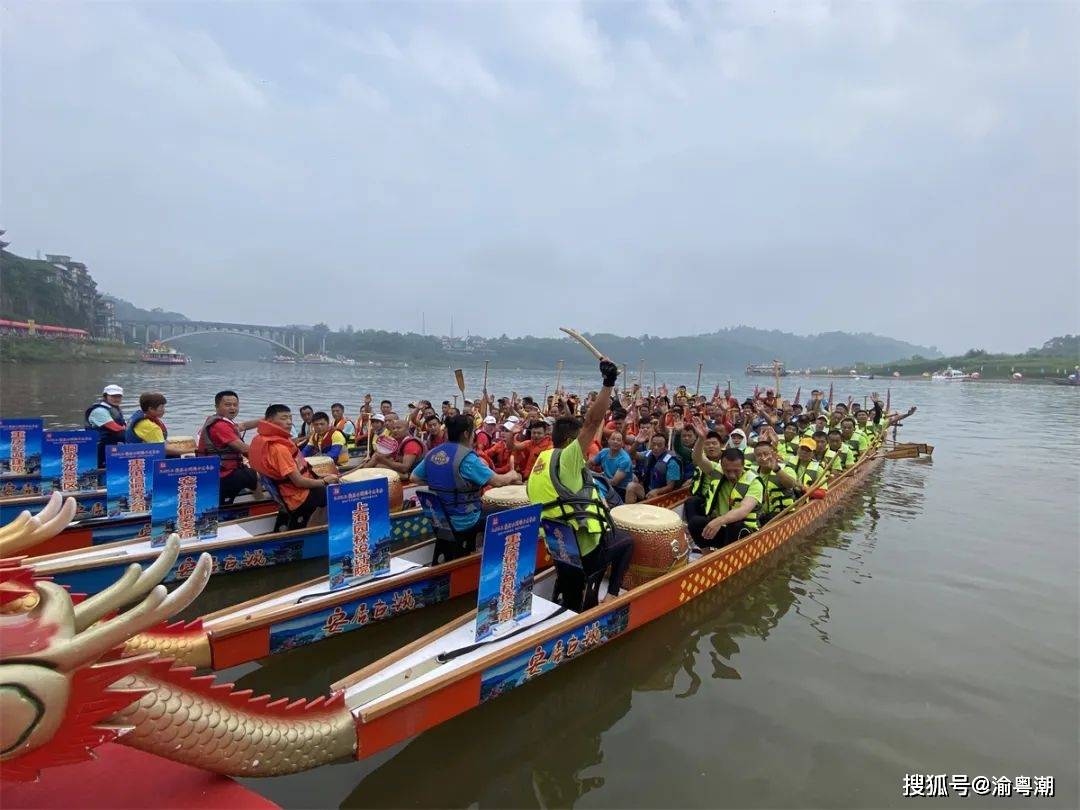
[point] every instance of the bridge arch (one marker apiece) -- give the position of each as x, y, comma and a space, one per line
255, 336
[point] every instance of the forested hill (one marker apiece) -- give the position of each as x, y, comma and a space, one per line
729, 348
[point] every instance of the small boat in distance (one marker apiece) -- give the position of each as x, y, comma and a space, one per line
161, 355
767, 369
950, 374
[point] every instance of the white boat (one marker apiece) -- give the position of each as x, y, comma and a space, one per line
950, 374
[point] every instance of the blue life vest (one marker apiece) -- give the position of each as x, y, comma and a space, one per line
106, 436
442, 470
655, 471
131, 437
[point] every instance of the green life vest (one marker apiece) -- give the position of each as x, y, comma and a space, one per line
806, 474
729, 497
704, 486
582, 508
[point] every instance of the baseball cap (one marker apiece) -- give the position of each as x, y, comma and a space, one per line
489, 420
806, 441
113, 391
378, 417
512, 422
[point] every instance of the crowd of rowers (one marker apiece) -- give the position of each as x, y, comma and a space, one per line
745, 462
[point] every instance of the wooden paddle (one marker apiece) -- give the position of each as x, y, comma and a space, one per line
558, 376
697, 388
459, 375
484, 406
583, 341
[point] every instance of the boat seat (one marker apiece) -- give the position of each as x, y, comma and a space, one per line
569, 568
449, 542
287, 520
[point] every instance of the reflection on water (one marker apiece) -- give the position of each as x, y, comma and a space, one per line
930, 625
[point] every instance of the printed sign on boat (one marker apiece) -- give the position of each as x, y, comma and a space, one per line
69, 461
20, 447
359, 530
129, 477
507, 568
186, 494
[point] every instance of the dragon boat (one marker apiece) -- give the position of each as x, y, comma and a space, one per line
68, 691
309, 612
91, 525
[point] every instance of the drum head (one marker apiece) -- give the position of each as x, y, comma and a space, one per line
386, 445
371, 474
645, 516
513, 495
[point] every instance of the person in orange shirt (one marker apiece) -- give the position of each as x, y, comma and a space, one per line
274, 454
538, 442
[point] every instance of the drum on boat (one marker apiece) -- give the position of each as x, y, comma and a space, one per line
322, 465
659, 536
180, 445
393, 481
497, 499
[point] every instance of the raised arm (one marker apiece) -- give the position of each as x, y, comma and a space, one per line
594, 417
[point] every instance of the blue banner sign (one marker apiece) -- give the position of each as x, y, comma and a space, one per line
20, 447
507, 568
359, 525
69, 461
186, 495
129, 477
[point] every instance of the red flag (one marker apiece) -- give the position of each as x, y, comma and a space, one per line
798, 393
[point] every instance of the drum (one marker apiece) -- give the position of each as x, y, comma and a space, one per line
497, 499
659, 536
375, 473
180, 445
322, 465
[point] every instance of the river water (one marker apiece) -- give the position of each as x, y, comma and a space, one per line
931, 626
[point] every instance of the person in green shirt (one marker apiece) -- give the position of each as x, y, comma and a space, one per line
560, 481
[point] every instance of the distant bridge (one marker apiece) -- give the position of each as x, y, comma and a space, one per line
288, 339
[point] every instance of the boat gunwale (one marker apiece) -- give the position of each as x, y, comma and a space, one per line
362, 715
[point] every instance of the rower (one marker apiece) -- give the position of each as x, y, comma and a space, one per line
843, 457
778, 496
614, 464
561, 483
485, 434
739, 493
306, 414
145, 426
274, 455
856, 441
456, 475
220, 436
702, 486
787, 447
339, 422
406, 454
737, 440
661, 472
804, 472
107, 419
325, 440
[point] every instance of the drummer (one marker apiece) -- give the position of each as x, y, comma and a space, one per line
325, 440
408, 451
454, 472
560, 481
274, 455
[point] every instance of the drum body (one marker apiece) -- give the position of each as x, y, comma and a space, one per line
180, 445
497, 499
392, 479
660, 543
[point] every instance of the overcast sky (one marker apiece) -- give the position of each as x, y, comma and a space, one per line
665, 167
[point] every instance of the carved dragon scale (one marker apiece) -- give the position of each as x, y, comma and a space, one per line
66, 687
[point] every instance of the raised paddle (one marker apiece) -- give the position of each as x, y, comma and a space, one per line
583, 341
459, 375
697, 388
558, 376
484, 407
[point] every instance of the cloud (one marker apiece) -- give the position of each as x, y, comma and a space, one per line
588, 153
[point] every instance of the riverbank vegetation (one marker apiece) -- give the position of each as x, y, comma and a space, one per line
25, 349
1055, 359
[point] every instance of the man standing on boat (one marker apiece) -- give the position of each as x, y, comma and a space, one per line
456, 475
105, 417
562, 484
